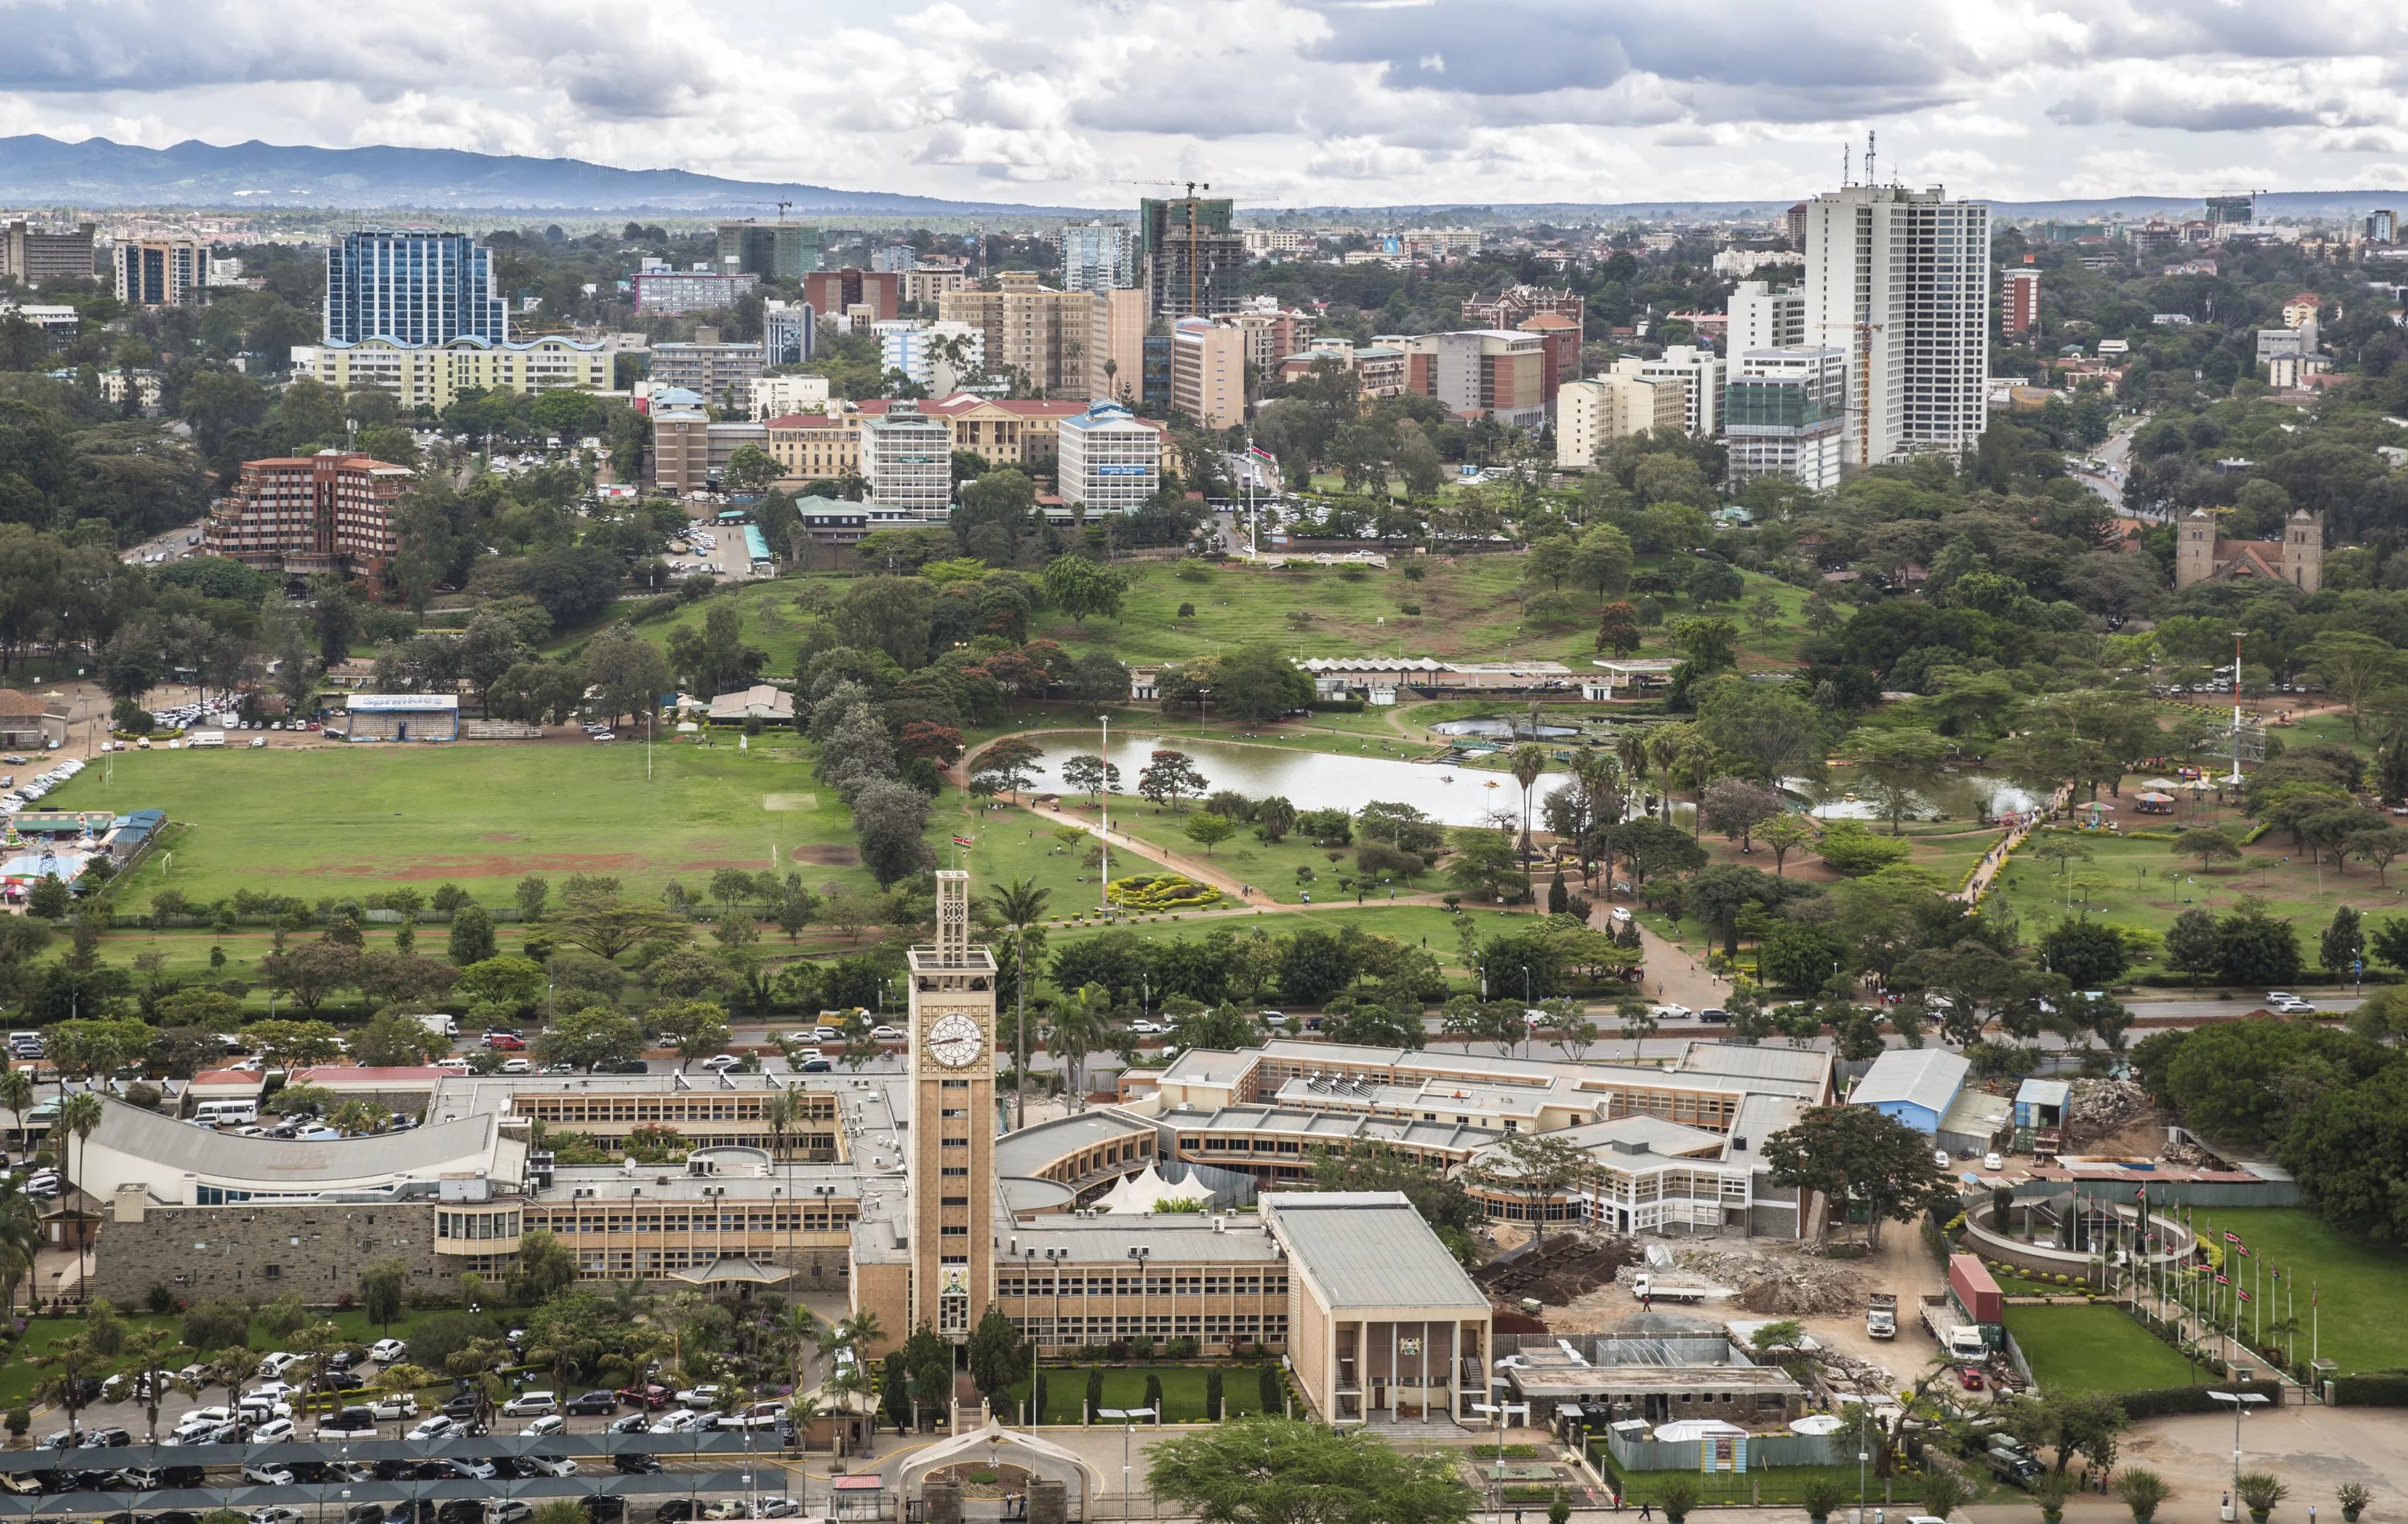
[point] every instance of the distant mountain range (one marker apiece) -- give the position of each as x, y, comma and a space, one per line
40, 171
43, 170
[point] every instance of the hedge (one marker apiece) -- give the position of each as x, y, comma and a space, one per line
2370, 1391
2159, 1401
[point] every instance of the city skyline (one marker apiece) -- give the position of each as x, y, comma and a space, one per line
1273, 101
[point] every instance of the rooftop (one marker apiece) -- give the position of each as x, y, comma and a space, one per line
1369, 1249
1928, 1078
181, 1148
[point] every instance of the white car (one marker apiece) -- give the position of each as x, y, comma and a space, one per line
274, 1432
1940, 1157
262, 1410
518, 1066
681, 1421
1147, 1029
722, 1060
777, 1508
276, 1364
433, 1426
1672, 1013
386, 1351
268, 1474
395, 1405
529, 1403
706, 1395
1992, 1161
886, 1031
754, 1416
204, 1420
278, 1514
549, 1466
272, 1391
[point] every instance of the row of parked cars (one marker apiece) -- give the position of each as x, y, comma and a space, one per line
26, 794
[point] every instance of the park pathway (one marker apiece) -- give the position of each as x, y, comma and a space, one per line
1994, 862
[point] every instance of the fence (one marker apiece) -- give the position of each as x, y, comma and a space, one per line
1689, 1454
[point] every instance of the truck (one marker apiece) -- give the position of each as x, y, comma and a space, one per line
1881, 1315
1654, 1289
1960, 1339
439, 1024
1976, 1292
2011, 1459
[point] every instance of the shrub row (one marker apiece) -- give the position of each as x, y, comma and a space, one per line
2159, 1401
2370, 1391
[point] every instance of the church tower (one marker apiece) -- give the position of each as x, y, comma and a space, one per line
2194, 549
952, 1072
2303, 551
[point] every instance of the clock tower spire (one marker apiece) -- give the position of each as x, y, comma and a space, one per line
953, 1120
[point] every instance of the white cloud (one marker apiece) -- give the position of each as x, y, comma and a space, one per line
1283, 101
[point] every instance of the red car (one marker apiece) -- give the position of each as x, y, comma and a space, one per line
649, 1396
1970, 1378
503, 1042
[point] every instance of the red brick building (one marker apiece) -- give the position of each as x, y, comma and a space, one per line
327, 512
831, 292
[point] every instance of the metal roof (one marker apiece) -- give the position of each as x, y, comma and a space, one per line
1027, 1151
1928, 1078
1371, 1248
2042, 1092
272, 1164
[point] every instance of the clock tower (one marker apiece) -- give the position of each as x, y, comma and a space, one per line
952, 1122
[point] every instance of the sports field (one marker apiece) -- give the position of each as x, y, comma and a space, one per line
346, 821
2095, 1349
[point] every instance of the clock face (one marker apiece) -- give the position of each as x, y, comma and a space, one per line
954, 1041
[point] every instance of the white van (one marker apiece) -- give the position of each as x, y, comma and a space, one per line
439, 1024
225, 1113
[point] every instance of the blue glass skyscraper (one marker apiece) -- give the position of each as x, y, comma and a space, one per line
412, 286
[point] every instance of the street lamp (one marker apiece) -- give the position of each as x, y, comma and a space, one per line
1502, 1411
1128, 1417
2241, 1402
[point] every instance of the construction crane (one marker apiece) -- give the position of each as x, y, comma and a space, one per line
781, 209
1193, 186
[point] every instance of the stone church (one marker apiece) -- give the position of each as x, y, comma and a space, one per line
2298, 559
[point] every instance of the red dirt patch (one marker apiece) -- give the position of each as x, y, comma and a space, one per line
827, 855
498, 866
502, 836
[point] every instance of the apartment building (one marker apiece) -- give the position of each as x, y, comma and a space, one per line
2018, 303
1560, 338
1489, 373
1097, 256
907, 458
937, 357
1590, 415
839, 292
1379, 368
1516, 304
431, 375
1273, 332
1048, 338
1784, 413
413, 286
720, 374
1208, 372
1900, 279
159, 271
776, 396
815, 447
923, 283
1698, 372
789, 333
1107, 458
668, 293
1763, 317
330, 512
680, 458
34, 256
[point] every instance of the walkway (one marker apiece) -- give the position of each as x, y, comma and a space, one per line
1994, 861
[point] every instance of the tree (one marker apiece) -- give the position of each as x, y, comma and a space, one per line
1090, 775
1601, 560
2210, 847
472, 935
1849, 849
698, 1027
2089, 954
2193, 945
393, 1039
1079, 587
1484, 862
1783, 834
1284, 1470
2353, 666
627, 673
1772, 730
2343, 944
1536, 1166
382, 1282
1168, 777
2071, 1423
1858, 1154
1208, 830
1011, 763
589, 1038
2255, 948
1734, 806
1895, 764
288, 1044
1258, 683
996, 1357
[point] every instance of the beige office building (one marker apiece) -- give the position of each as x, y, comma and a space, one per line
1590, 415
1208, 372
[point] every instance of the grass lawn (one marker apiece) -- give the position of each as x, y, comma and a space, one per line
1182, 1390
2361, 1316
1415, 923
346, 821
19, 1377
2094, 1349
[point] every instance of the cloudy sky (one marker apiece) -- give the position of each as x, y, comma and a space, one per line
1280, 102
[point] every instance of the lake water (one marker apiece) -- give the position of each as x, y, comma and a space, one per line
1956, 795
1316, 779
1499, 728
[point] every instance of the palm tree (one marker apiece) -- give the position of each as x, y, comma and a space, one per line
16, 1094
1663, 748
79, 1115
69, 1358
1020, 904
20, 1237
1527, 761
1080, 1024
781, 1111
797, 1329
629, 1299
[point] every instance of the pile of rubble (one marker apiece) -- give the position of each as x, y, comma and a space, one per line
2106, 1104
1567, 1266
1779, 1285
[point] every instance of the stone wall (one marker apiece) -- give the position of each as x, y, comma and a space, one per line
261, 1251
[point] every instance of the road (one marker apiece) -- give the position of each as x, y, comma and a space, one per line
2114, 456
171, 545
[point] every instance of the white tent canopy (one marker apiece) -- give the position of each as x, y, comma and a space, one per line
1684, 1428
1145, 1192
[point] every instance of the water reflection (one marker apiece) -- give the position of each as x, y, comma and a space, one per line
1315, 779
1840, 794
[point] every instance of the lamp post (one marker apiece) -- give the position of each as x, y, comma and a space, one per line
1128, 1417
1104, 833
2241, 1401
1501, 1410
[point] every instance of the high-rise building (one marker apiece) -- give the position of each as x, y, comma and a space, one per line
1764, 318
1208, 372
789, 333
721, 373
33, 256
1793, 227
2018, 303
1107, 458
1900, 279
2231, 212
1592, 414
1189, 257
1783, 414
780, 251
1119, 375
937, 356
1560, 336
159, 271
1097, 256
680, 457
893, 259
1698, 373
1486, 372
837, 291
1048, 338
414, 286
907, 458
328, 512
690, 290
2381, 226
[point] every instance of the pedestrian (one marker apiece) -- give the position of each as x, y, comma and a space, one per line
1646, 1509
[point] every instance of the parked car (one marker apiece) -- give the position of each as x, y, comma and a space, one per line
435, 1426
507, 1511
274, 1432
277, 1515
551, 1423
395, 1405
775, 1507
591, 1401
603, 1507
268, 1474
529, 1403
386, 1351
702, 1396
632, 1423
651, 1394
754, 1416
634, 1465
471, 1468
350, 1423
549, 1466
274, 1364
679, 1421
462, 1407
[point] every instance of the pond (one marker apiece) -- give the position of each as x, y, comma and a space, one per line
1315, 779
1840, 794
1500, 728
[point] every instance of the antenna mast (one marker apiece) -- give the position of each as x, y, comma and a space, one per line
1871, 176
